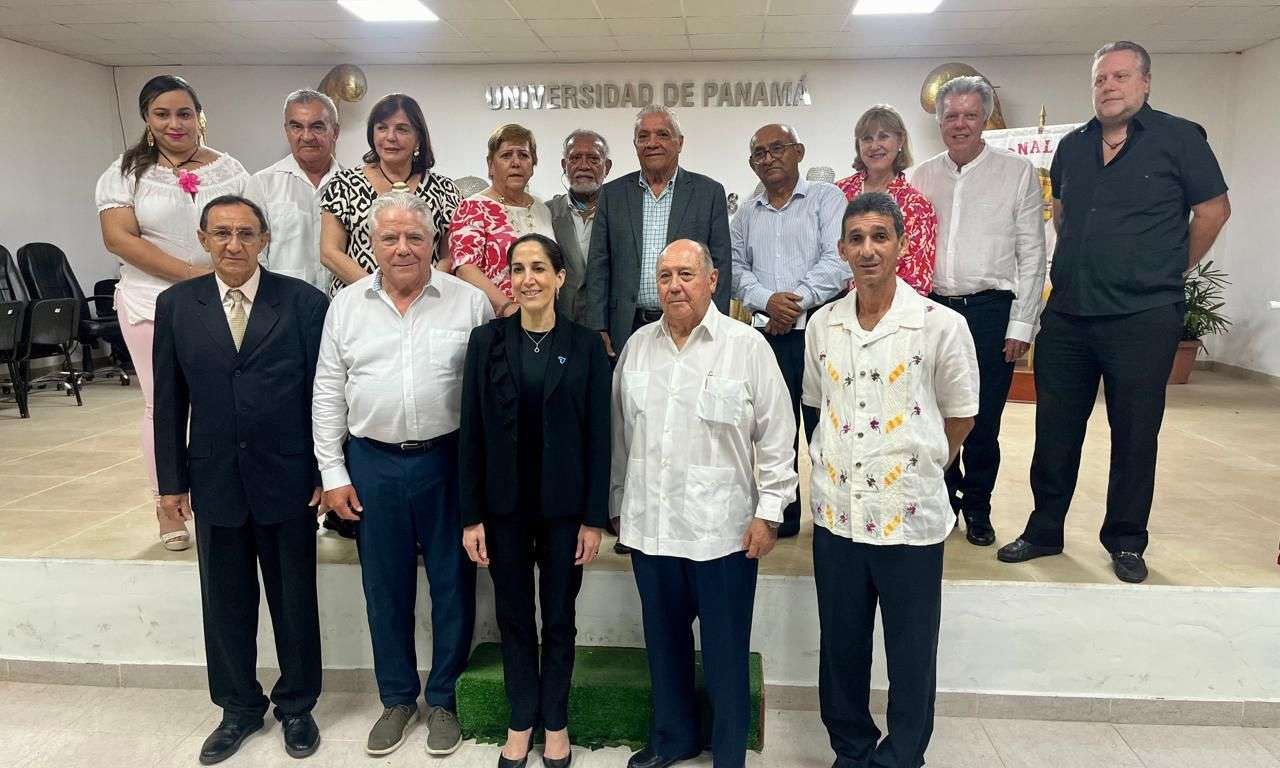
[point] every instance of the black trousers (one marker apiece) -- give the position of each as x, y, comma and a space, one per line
972, 476
719, 593
1132, 356
537, 692
788, 348
906, 581
229, 561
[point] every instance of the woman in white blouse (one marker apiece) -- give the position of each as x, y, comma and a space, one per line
149, 202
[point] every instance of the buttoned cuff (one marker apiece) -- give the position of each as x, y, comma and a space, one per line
1019, 331
769, 508
335, 477
757, 297
808, 298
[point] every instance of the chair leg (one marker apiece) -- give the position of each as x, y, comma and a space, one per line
73, 380
19, 389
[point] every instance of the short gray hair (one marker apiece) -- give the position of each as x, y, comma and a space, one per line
401, 201
308, 96
707, 264
960, 86
595, 137
1144, 58
658, 109
751, 142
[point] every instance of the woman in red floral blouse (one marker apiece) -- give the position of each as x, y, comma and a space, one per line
486, 223
882, 154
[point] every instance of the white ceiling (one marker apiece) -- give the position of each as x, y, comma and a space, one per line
183, 32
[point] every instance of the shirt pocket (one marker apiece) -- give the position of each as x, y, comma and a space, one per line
285, 220
724, 401
635, 389
448, 352
714, 502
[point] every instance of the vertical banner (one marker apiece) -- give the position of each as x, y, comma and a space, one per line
1038, 146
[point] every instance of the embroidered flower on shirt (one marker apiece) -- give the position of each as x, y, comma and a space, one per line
893, 423
871, 482
848, 380
875, 375
869, 526
928, 307
911, 509
917, 359
189, 182
892, 476
874, 424
896, 373
914, 461
916, 410
833, 373
892, 524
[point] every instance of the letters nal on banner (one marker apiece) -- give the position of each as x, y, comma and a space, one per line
1038, 146
637, 94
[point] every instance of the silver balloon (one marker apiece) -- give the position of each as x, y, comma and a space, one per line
821, 173
470, 185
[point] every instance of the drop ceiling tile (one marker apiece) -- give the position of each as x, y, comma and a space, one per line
453, 58
641, 43
284, 10
639, 8
510, 44
724, 25
648, 26
808, 7
556, 9
21, 16
722, 54
262, 30
570, 27
39, 33
481, 29
970, 19
395, 45
103, 13
728, 7
805, 39
354, 29
815, 23
471, 9
575, 43
726, 42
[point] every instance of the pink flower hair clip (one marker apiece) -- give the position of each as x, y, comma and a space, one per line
189, 182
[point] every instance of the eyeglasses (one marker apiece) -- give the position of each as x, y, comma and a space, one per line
245, 236
773, 150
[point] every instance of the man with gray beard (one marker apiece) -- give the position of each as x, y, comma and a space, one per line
586, 163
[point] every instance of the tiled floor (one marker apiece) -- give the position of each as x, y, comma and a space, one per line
72, 485
56, 725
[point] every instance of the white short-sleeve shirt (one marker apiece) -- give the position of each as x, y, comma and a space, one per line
880, 450
292, 205
168, 218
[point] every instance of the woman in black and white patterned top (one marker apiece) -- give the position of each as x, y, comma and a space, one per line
399, 158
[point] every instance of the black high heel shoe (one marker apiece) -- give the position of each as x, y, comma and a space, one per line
555, 762
506, 762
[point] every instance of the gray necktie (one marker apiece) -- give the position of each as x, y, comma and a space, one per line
236, 317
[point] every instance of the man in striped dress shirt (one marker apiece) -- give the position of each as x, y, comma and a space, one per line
785, 259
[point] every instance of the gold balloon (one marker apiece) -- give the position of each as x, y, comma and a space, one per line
345, 82
941, 74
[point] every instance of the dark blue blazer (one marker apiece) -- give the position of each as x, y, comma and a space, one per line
249, 456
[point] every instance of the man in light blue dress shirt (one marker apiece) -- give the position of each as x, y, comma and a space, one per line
785, 258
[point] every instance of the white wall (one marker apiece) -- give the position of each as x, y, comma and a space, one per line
244, 106
1251, 250
59, 130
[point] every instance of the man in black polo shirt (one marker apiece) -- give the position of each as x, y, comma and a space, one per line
1123, 186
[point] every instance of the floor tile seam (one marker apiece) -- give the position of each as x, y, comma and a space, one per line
995, 748
1128, 746
41, 552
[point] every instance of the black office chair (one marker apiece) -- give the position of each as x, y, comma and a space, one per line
12, 314
50, 330
11, 286
48, 275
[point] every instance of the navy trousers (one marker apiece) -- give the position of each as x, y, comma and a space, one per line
720, 593
906, 581
412, 498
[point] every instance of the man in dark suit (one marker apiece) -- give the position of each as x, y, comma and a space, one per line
638, 215
235, 351
585, 163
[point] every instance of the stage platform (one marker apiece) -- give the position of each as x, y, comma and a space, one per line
92, 597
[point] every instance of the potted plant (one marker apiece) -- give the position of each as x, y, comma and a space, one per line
1204, 301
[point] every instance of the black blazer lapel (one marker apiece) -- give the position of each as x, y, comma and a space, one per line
680, 203
511, 347
635, 207
561, 349
262, 316
214, 317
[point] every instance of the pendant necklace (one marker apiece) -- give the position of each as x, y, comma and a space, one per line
175, 166
1116, 145
537, 343
396, 186
521, 227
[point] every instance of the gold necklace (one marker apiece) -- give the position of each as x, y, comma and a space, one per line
515, 223
396, 186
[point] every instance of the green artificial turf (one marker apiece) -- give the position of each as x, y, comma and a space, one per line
608, 703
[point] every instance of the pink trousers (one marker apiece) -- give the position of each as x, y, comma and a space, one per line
139, 338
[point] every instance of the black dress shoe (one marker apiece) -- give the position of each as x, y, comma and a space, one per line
647, 758
1021, 550
1129, 567
621, 549
347, 529
225, 741
301, 735
978, 531
557, 762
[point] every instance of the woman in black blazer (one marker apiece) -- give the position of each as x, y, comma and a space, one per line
535, 482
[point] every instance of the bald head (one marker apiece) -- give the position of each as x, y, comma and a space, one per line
686, 281
775, 155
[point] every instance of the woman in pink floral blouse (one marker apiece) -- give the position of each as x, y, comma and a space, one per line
486, 223
882, 155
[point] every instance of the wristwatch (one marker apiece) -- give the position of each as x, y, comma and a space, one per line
773, 525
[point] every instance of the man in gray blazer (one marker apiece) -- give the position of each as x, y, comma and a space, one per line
585, 163
637, 216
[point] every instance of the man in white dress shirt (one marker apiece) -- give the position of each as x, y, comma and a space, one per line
388, 385
990, 268
893, 379
703, 450
289, 191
